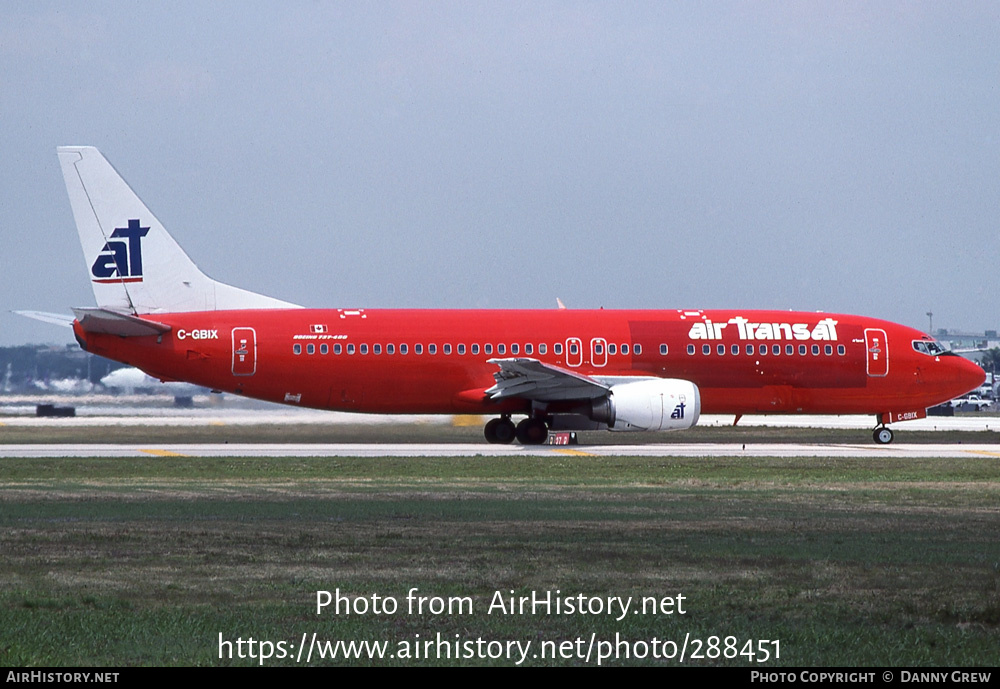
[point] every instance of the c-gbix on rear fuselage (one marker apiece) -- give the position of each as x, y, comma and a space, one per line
561, 368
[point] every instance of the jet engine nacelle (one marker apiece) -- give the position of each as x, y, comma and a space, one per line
664, 404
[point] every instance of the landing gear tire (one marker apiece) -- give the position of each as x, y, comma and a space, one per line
882, 435
499, 431
532, 432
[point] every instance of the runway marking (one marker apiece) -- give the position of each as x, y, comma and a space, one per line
575, 453
162, 453
983, 452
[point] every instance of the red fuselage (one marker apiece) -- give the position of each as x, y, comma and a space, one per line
437, 361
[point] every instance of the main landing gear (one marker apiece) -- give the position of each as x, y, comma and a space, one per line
882, 435
499, 431
530, 431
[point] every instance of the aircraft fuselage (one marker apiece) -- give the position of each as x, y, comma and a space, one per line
438, 361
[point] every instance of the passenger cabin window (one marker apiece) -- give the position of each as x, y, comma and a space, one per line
390, 349
574, 348
324, 349
501, 349
310, 348
363, 349
514, 349
461, 349
624, 349
735, 349
557, 348
418, 349
432, 349
402, 349
447, 349
721, 349
542, 348
612, 348
637, 349
377, 349
337, 349
528, 349
475, 349
690, 349
297, 348
706, 349
350, 349
488, 348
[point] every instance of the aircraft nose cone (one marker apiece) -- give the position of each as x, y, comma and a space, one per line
968, 376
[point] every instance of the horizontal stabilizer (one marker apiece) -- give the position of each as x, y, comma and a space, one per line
113, 323
46, 317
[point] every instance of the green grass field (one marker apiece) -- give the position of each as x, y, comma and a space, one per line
115, 562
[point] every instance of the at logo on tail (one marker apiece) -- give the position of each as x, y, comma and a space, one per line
121, 261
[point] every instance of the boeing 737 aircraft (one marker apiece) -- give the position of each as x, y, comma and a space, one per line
563, 368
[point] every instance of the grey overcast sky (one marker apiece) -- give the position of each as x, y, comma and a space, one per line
840, 156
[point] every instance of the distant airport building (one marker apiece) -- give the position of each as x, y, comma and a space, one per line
968, 343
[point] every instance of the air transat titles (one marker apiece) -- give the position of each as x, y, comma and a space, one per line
826, 329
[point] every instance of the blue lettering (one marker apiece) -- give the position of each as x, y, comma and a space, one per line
122, 257
113, 258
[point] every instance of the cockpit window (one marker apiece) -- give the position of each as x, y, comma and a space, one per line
929, 347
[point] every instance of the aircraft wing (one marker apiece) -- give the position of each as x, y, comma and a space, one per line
531, 379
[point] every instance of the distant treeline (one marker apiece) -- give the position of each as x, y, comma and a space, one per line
21, 366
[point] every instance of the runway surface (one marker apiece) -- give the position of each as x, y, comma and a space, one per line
485, 450
106, 411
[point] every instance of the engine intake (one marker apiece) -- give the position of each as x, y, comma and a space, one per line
664, 404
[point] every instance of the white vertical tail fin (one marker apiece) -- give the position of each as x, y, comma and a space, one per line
135, 266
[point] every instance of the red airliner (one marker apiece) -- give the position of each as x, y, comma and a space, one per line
560, 368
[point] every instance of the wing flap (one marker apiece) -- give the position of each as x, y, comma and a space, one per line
531, 379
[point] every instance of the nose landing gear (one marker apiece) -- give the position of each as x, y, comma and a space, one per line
882, 435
